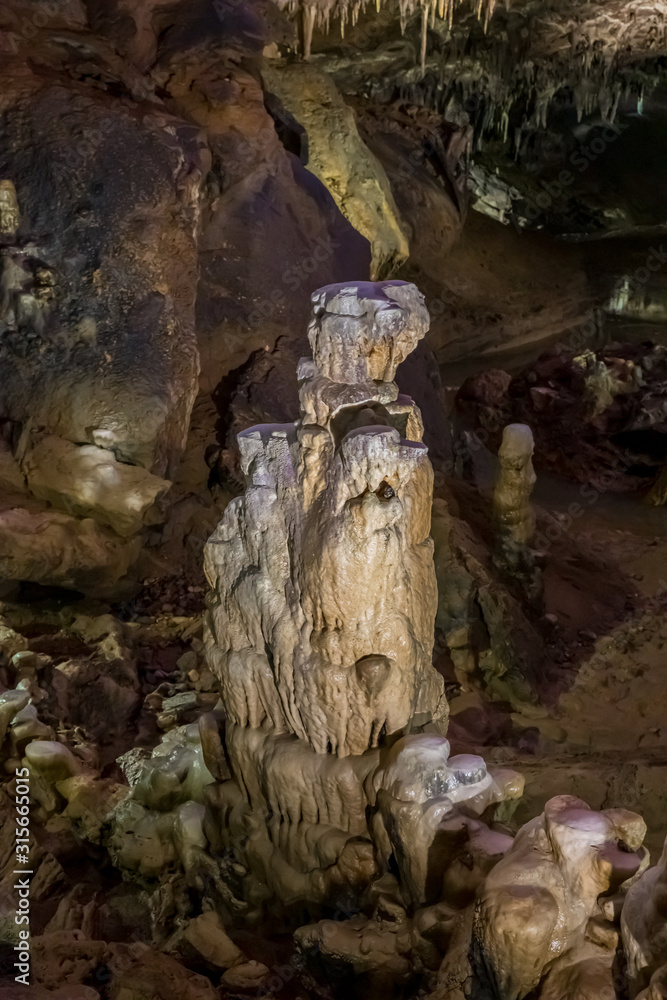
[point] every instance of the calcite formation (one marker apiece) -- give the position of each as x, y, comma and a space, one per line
513, 513
644, 931
515, 519
321, 620
339, 158
323, 11
324, 590
546, 893
10, 215
585, 49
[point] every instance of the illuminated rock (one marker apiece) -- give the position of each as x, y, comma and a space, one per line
321, 622
10, 216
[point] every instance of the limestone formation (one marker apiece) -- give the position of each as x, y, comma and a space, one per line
183, 181
324, 590
204, 941
590, 413
337, 155
513, 514
322, 12
10, 216
320, 625
515, 518
89, 482
60, 550
422, 795
657, 988
161, 820
657, 495
644, 930
97, 304
542, 900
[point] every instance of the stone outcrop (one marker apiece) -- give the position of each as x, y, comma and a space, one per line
98, 304
89, 482
98, 274
336, 154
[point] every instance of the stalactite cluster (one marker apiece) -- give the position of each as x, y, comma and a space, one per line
321, 13
531, 57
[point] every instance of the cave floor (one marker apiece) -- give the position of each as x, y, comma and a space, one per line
599, 732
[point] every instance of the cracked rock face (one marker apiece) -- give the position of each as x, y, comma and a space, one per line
324, 590
98, 285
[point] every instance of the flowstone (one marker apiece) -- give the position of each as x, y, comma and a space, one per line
320, 625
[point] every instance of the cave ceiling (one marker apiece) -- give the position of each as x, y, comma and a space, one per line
545, 86
539, 81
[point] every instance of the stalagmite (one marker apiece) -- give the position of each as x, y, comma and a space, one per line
511, 500
10, 216
514, 517
321, 616
542, 898
644, 931
326, 561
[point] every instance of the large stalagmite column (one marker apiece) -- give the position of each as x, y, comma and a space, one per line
322, 574
321, 617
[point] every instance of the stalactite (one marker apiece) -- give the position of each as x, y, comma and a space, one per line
499, 73
425, 13
309, 15
350, 9
505, 124
404, 7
